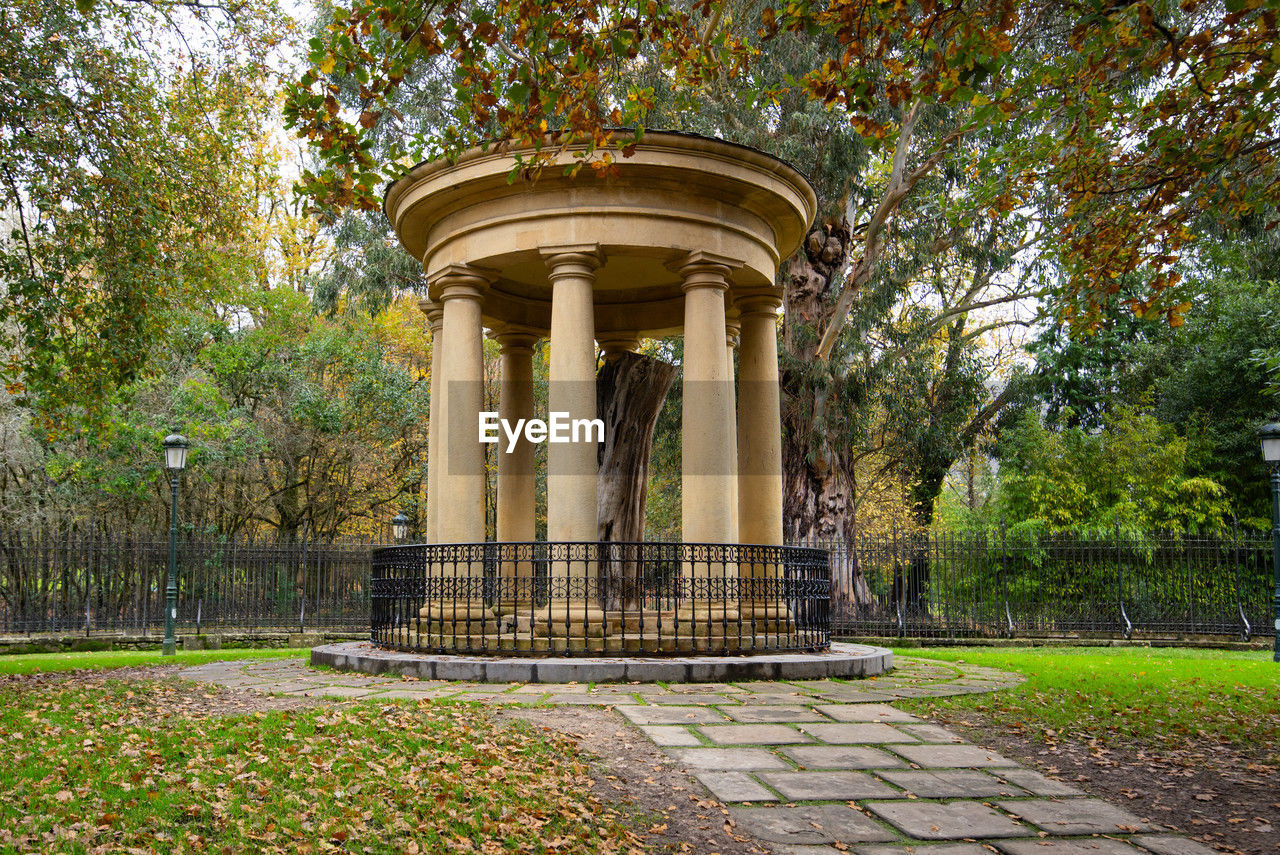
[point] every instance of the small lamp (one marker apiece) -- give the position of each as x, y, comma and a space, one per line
1269, 434
175, 452
399, 526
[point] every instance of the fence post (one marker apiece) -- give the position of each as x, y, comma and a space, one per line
1127, 632
1004, 575
1246, 631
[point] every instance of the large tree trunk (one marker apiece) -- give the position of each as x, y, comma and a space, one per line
818, 486
630, 389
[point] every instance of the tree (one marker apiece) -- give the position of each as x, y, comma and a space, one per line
1135, 472
123, 162
1145, 116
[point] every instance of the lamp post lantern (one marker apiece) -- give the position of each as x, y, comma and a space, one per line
399, 527
175, 460
1270, 437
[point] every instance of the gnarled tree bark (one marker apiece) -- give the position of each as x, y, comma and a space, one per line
630, 389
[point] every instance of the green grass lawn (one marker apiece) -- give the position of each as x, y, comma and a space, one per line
1140, 694
117, 765
31, 663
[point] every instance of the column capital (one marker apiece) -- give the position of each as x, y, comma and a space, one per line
617, 343
512, 338
459, 281
434, 312
756, 305
733, 331
701, 269
571, 259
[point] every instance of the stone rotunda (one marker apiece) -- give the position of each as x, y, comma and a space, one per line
682, 238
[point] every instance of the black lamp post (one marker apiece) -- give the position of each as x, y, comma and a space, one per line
1270, 436
400, 526
175, 460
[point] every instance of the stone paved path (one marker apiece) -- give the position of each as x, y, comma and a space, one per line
814, 767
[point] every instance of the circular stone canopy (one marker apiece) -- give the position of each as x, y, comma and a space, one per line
678, 194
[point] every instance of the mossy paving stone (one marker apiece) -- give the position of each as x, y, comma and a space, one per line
960, 820
735, 787
949, 784
1088, 846
842, 757
865, 712
1171, 844
931, 756
809, 824
779, 713
1077, 816
924, 849
727, 759
753, 734
931, 733
812, 786
669, 715
843, 733
670, 736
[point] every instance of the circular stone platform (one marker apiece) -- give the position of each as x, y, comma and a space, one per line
842, 661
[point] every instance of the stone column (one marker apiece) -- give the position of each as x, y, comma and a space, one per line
435, 319
706, 419
572, 466
516, 484
615, 344
734, 329
759, 424
461, 482
760, 453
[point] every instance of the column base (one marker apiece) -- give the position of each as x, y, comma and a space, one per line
569, 620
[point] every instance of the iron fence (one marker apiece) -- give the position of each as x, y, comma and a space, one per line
1011, 583
600, 598
941, 585
99, 581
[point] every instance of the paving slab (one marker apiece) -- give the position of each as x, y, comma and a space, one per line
950, 784
630, 689
1088, 846
804, 849
403, 694
669, 715
924, 849
578, 699
809, 824
691, 699
735, 787
841, 757
948, 821
1171, 844
951, 756
704, 689
670, 736
753, 713
864, 712
828, 786
727, 759
853, 696
753, 734
1037, 784
333, 692
766, 698
846, 733
931, 733
1077, 816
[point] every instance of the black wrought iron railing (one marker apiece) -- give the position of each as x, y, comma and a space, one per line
600, 598
984, 583
1016, 583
